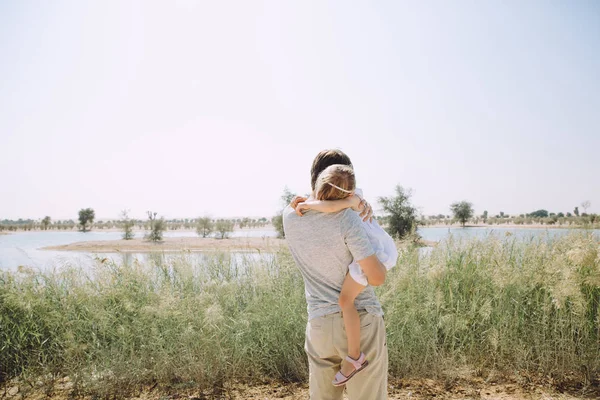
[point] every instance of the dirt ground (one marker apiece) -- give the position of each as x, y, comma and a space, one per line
174, 244
415, 389
398, 389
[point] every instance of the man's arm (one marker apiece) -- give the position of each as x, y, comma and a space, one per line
357, 240
373, 269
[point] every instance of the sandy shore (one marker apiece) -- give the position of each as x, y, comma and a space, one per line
173, 244
187, 244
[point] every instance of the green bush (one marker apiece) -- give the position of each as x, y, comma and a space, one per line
277, 221
204, 227
86, 217
223, 228
400, 214
157, 227
127, 226
463, 211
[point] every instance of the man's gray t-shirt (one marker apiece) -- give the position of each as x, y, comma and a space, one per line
323, 246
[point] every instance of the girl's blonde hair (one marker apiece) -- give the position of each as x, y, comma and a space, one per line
335, 182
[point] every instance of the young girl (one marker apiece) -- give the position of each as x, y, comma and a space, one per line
335, 191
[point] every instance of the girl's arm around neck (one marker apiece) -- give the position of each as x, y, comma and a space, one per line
330, 206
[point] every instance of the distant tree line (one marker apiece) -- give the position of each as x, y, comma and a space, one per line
399, 216
537, 217
124, 222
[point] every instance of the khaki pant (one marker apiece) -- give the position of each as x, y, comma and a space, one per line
326, 345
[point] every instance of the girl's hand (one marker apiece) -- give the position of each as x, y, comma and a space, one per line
365, 209
355, 202
296, 200
302, 207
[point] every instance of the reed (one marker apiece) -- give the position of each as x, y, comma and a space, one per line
494, 305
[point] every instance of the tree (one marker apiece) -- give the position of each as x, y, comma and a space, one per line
400, 213
463, 211
46, 222
223, 228
204, 227
86, 216
157, 227
127, 225
576, 211
539, 214
244, 222
277, 220
585, 205
485, 216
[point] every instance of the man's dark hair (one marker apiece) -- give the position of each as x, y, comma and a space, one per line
324, 159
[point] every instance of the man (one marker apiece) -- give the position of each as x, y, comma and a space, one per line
323, 245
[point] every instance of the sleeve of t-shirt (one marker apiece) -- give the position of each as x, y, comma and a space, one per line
355, 236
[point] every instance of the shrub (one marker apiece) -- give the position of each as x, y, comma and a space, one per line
277, 221
463, 211
223, 228
538, 214
46, 222
127, 226
204, 227
400, 214
86, 216
157, 227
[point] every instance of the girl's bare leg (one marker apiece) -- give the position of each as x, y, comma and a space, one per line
350, 289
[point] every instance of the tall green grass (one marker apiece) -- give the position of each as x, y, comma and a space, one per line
507, 305
119, 327
503, 305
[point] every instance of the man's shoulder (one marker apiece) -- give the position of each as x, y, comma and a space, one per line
290, 218
350, 217
288, 212
352, 224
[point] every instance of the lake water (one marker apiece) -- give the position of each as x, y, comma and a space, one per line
437, 234
24, 248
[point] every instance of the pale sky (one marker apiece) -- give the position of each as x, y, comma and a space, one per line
190, 108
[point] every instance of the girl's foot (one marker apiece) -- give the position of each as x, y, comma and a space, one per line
347, 368
350, 367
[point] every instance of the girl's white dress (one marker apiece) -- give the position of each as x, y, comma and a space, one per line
382, 243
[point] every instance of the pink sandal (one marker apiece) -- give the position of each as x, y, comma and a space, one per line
359, 365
